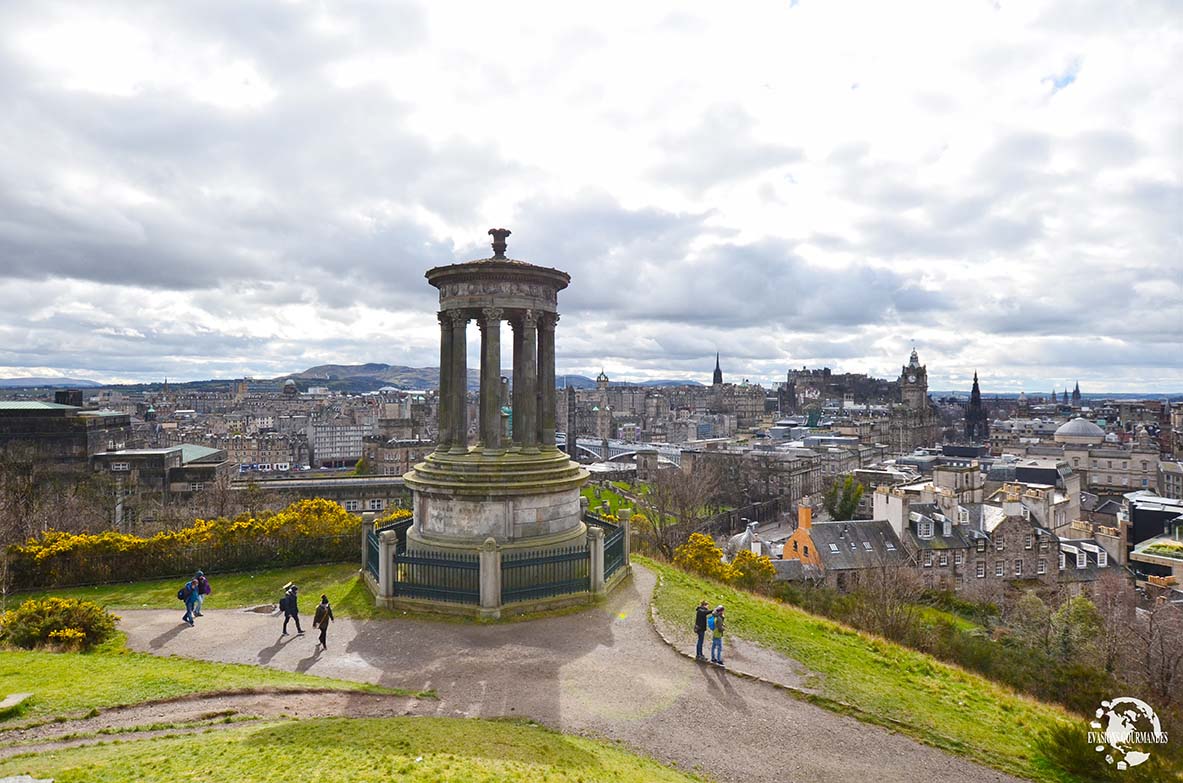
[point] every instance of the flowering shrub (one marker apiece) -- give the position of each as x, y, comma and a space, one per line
700, 555
751, 570
302, 532
69, 623
394, 517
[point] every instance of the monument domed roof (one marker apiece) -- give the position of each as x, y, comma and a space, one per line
1080, 429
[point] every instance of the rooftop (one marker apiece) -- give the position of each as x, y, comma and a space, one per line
30, 405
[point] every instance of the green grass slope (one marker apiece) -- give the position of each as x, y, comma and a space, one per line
341, 582
880, 681
74, 683
336, 750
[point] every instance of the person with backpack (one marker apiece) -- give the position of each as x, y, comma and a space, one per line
700, 628
203, 589
188, 593
716, 624
322, 618
291, 609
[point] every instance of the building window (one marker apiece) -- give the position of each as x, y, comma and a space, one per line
353, 505
120, 466
928, 559
958, 558
981, 569
1018, 567
1041, 566
1026, 512
805, 550
999, 568
963, 516
376, 504
1082, 560
999, 542
924, 528
834, 548
981, 545
944, 559
1043, 546
1102, 558
867, 545
196, 486
1063, 561
1028, 541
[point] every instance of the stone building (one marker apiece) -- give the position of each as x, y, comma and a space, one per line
1104, 463
394, 456
61, 437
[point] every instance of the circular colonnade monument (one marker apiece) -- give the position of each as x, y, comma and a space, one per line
514, 486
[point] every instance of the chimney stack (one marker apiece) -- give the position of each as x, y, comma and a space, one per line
804, 514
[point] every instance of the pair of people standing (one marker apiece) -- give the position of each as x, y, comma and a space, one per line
707, 620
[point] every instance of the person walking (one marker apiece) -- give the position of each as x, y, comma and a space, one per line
291, 609
188, 594
322, 618
203, 589
717, 637
700, 628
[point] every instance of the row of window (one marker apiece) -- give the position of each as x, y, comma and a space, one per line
374, 504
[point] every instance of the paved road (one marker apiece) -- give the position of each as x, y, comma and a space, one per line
603, 672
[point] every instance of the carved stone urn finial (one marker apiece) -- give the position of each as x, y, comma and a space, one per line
499, 235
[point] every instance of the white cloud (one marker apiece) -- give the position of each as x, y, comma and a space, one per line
210, 189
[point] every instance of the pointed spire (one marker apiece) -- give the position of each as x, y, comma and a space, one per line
718, 376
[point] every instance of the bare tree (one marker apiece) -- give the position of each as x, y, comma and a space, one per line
1154, 652
889, 593
674, 506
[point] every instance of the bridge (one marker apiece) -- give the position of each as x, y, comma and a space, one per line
619, 450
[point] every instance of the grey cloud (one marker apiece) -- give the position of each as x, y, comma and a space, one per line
721, 148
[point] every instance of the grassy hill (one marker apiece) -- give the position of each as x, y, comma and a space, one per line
337, 750
882, 682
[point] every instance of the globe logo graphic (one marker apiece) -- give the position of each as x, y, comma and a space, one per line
1122, 723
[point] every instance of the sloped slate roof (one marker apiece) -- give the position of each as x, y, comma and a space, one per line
851, 539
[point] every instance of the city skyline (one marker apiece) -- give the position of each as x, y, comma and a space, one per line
788, 184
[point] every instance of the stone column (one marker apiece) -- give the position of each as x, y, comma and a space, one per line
490, 323
595, 541
529, 417
387, 546
458, 384
516, 404
489, 558
444, 440
546, 379
367, 527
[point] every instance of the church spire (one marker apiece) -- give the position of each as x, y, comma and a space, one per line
717, 380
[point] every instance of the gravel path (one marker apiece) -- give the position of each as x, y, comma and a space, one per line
603, 672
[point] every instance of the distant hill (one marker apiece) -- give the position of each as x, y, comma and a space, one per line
374, 375
57, 383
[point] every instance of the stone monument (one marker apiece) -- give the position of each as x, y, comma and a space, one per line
521, 491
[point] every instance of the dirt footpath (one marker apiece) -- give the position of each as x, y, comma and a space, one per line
604, 672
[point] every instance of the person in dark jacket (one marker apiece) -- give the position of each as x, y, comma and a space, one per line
322, 618
291, 610
203, 589
700, 628
190, 597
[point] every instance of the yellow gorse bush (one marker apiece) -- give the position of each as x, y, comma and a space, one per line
305, 518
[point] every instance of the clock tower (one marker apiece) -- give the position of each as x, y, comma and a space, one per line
914, 384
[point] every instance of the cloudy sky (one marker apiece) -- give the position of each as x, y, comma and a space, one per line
218, 189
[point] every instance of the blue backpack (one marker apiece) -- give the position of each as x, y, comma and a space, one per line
711, 622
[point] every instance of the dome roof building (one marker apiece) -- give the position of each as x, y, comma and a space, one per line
1079, 431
